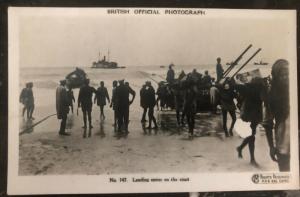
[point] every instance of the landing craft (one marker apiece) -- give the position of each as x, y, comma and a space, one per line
76, 78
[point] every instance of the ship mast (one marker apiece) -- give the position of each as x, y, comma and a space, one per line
108, 55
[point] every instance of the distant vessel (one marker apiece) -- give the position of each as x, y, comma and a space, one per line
261, 63
106, 64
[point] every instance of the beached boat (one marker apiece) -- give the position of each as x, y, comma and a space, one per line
76, 78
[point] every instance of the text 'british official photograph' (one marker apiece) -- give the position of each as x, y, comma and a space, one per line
138, 100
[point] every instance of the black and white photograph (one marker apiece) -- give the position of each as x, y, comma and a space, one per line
126, 100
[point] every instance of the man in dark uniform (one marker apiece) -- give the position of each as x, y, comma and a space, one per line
101, 96
190, 105
24, 99
207, 79
150, 103
113, 103
62, 106
86, 103
227, 96
143, 102
170, 74
122, 99
28, 99
277, 115
219, 69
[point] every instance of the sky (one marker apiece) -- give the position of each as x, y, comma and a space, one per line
76, 40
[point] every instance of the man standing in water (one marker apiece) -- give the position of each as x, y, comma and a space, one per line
277, 110
101, 96
122, 98
62, 106
86, 103
219, 69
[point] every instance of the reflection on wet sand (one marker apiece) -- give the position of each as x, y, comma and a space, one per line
26, 126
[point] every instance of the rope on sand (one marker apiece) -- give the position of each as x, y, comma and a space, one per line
35, 124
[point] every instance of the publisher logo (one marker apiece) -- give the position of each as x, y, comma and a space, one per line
271, 178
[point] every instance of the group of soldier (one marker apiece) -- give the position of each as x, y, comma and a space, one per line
259, 101
119, 102
262, 101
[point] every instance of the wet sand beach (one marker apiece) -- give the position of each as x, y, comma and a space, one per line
99, 151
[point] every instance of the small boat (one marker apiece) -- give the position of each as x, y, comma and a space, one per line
76, 78
261, 63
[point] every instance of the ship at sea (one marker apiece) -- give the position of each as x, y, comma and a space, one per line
261, 63
106, 64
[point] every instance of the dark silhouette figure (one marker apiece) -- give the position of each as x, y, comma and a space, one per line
85, 102
122, 98
143, 98
150, 104
219, 69
62, 106
101, 96
227, 95
251, 111
113, 103
277, 115
170, 74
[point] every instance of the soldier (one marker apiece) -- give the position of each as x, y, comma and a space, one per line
143, 102
113, 102
30, 101
227, 95
100, 97
24, 99
190, 106
86, 103
150, 103
277, 109
207, 79
161, 95
219, 69
122, 98
251, 111
62, 106
171, 74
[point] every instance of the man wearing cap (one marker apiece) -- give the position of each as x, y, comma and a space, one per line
86, 103
122, 99
62, 106
219, 69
